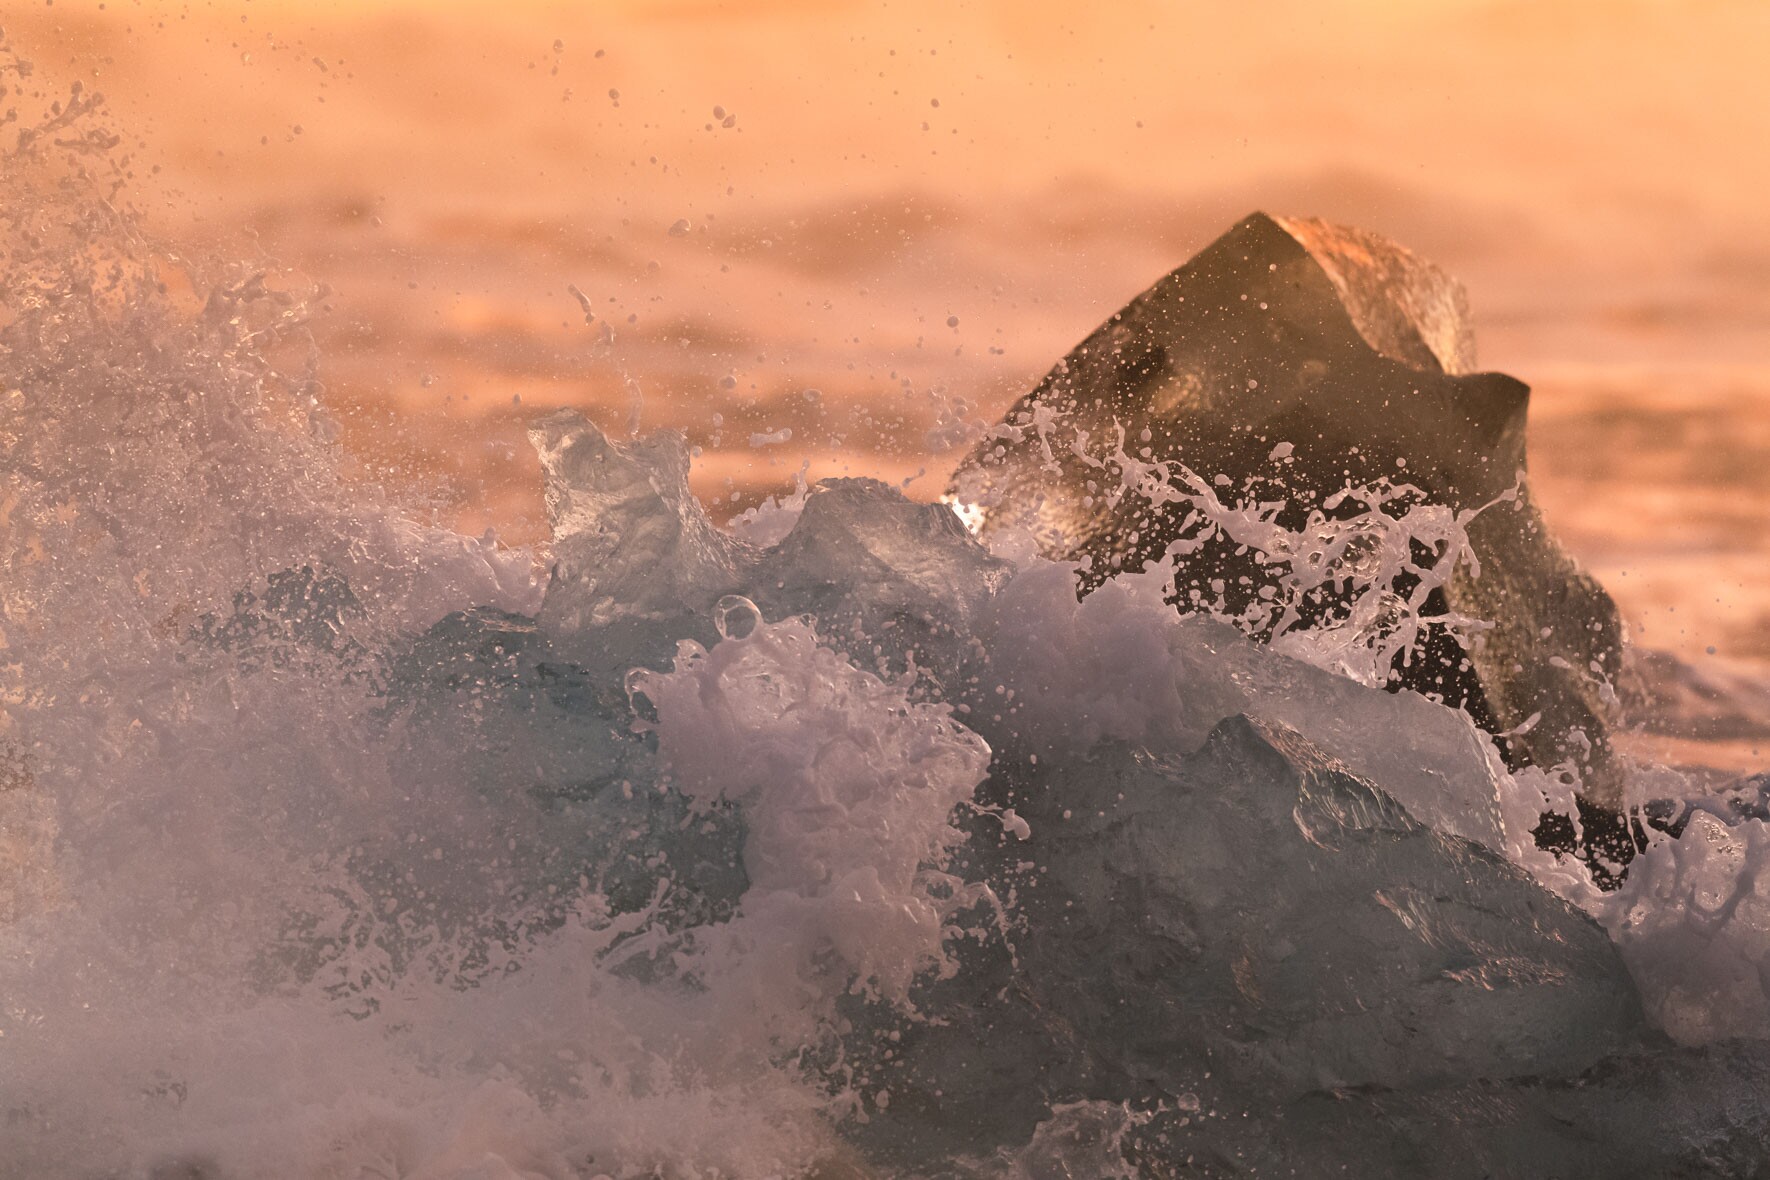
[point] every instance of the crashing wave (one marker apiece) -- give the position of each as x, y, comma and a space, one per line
334, 844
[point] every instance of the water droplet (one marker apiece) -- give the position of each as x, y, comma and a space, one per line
634, 683
735, 617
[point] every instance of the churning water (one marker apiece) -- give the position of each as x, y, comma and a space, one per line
830, 843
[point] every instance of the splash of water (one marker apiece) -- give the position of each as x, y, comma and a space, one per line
334, 844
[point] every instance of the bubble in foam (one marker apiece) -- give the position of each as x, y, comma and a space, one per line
735, 616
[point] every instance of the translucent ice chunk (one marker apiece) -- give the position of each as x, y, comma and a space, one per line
891, 581
1240, 929
1119, 664
1693, 921
629, 539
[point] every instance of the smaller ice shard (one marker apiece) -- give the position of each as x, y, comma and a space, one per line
1693, 922
1432, 760
638, 563
1118, 664
1288, 362
629, 538
898, 581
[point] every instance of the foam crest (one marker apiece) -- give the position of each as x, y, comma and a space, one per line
846, 789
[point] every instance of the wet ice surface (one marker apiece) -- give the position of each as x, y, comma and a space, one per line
337, 845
